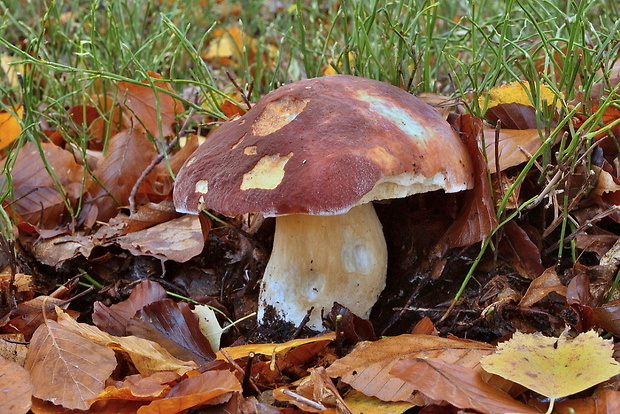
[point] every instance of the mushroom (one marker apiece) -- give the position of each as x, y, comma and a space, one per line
315, 154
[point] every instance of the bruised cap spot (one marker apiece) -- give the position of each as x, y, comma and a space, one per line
267, 174
202, 186
399, 116
251, 150
278, 114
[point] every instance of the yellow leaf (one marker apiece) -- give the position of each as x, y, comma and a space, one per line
517, 92
242, 351
11, 69
10, 127
554, 367
360, 403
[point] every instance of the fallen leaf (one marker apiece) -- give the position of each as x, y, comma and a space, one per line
242, 351
554, 367
211, 387
147, 356
175, 327
512, 116
367, 367
152, 109
361, 403
179, 239
10, 126
604, 402
521, 253
460, 386
66, 368
15, 387
209, 325
477, 218
114, 319
541, 286
514, 147
129, 154
35, 197
518, 93
315, 394
140, 387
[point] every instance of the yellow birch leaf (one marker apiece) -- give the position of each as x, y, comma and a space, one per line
554, 367
10, 127
517, 92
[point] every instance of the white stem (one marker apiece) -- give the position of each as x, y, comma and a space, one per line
319, 260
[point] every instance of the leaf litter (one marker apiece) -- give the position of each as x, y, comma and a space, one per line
147, 352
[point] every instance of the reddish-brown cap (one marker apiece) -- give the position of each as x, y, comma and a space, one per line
322, 146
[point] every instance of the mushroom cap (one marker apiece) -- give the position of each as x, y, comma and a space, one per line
322, 146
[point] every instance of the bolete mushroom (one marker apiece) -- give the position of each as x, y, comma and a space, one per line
315, 154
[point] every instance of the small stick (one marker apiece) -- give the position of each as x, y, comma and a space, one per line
311, 403
303, 323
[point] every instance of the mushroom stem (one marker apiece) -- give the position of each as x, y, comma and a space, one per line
319, 260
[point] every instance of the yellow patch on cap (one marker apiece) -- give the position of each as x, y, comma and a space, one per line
267, 174
278, 114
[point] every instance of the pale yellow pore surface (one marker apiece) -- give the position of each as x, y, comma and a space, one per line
319, 260
267, 174
277, 114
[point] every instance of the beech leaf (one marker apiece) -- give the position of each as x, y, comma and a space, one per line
114, 319
129, 154
66, 368
15, 388
154, 110
460, 386
243, 351
554, 367
207, 388
367, 367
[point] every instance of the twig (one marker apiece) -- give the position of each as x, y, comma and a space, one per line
311, 403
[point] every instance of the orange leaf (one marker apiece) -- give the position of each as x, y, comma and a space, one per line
243, 351
212, 387
129, 154
10, 128
16, 388
154, 110
36, 198
460, 386
140, 388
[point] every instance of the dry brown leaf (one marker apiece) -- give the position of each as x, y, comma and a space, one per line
55, 250
175, 327
541, 286
514, 147
114, 319
129, 154
461, 386
513, 116
608, 317
154, 110
604, 402
160, 177
319, 388
15, 387
211, 387
140, 388
367, 367
98, 407
477, 218
13, 348
149, 215
179, 239
36, 199
66, 368
148, 357
520, 251
28, 315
